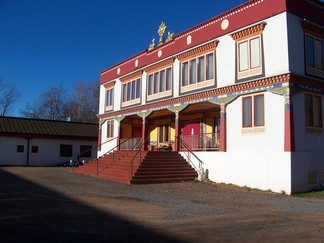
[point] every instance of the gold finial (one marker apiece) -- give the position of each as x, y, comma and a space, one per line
170, 36
152, 45
161, 32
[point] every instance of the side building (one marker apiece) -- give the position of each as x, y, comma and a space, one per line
243, 90
35, 142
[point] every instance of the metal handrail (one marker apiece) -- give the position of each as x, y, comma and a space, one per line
118, 145
79, 154
140, 152
191, 152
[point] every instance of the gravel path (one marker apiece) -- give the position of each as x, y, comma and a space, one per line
218, 211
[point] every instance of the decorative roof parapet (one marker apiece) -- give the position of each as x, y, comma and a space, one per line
200, 49
313, 28
159, 65
254, 30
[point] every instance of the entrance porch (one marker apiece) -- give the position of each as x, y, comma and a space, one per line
196, 127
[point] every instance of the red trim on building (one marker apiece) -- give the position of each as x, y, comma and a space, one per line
205, 94
244, 15
289, 145
223, 130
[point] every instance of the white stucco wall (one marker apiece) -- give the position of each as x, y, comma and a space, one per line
108, 143
305, 141
296, 44
225, 61
48, 151
302, 164
275, 41
272, 139
258, 170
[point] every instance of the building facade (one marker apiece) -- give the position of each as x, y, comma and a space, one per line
243, 91
36, 142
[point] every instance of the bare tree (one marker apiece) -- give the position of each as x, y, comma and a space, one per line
49, 105
9, 94
85, 101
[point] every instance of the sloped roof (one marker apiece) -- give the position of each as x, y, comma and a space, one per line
36, 127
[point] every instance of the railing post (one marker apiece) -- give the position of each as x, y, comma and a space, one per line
97, 167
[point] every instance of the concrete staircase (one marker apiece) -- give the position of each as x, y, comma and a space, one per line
153, 167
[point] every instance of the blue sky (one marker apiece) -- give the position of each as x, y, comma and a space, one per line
47, 43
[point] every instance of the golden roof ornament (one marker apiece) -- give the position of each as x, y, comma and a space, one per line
161, 32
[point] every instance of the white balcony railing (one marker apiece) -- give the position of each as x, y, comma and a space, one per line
201, 142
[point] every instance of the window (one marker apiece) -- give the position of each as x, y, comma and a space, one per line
85, 151
313, 111
20, 148
249, 58
109, 99
249, 52
34, 149
110, 128
159, 84
66, 150
131, 92
253, 111
197, 73
314, 55
164, 133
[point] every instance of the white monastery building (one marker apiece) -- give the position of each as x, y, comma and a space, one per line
243, 92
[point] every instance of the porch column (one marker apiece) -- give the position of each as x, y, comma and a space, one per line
223, 128
289, 123
176, 131
143, 132
119, 135
99, 138
118, 120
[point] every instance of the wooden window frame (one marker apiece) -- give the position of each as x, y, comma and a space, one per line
314, 70
312, 128
109, 99
248, 35
154, 81
129, 95
110, 129
194, 83
253, 127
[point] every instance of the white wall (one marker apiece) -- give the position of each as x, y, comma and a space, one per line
176, 78
272, 139
302, 163
275, 41
108, 143
48, 151
258, 170
305, 141
296, 44
225, 61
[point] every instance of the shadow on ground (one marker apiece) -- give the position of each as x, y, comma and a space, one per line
32, 213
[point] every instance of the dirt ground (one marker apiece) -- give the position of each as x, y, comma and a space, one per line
55, 205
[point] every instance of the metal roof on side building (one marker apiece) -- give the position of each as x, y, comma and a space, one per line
15, 126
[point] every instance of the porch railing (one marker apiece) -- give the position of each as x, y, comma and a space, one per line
188, 152
118, 146
200, 142
138, 146
130, 143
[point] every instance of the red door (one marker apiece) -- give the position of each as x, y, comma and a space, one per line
190, 134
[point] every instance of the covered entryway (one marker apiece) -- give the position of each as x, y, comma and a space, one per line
130, 133
200, 127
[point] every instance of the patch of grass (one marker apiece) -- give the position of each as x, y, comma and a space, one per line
311, 194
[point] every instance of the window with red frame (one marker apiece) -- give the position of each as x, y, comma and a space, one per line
253, 111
